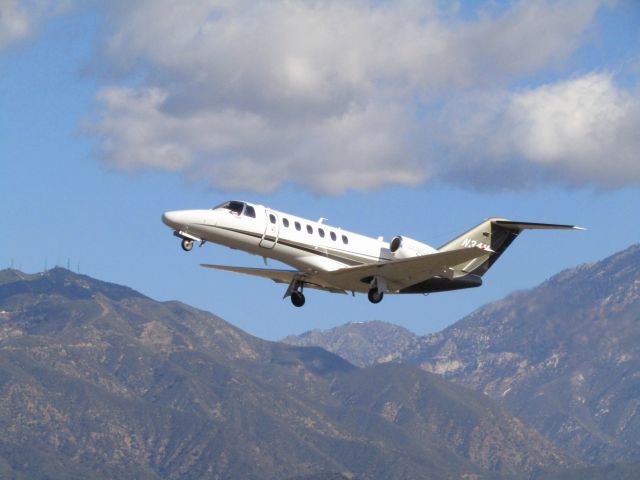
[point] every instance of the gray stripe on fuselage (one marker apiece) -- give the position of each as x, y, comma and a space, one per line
333, 255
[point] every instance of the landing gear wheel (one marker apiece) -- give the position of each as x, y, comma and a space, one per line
187, 245
375, 296
297, 298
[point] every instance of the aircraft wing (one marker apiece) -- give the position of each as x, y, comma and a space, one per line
397, 273
279, 276
408, 271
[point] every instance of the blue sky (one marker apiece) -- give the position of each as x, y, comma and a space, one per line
387, 118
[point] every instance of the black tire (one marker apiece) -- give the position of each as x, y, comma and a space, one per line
187, 245
375, 296
297, 298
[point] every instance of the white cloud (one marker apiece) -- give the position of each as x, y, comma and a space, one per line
585, 126
237, 149
14, 22
582, 131
342, 95
20, 19
136, 132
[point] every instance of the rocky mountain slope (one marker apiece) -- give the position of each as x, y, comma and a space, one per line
362, 343
99, 381
564, 356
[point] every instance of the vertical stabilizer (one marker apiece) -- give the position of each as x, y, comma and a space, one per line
488, 234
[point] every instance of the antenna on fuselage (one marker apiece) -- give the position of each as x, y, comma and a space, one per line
322, 219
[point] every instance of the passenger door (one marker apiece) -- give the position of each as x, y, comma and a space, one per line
271, 230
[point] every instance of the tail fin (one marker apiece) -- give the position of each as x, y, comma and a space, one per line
495, 234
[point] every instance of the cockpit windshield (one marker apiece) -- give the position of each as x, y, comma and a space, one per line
233, 207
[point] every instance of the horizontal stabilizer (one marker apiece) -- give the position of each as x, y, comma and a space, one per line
533, 225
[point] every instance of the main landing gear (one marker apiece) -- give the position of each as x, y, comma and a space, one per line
375, 296
377, 287
297, 298
187, 244
295, 291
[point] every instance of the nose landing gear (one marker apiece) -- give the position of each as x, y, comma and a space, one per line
187, 240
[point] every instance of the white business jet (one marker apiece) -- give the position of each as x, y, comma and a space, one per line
329, 258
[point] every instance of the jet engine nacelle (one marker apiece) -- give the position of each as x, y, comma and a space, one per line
405, 247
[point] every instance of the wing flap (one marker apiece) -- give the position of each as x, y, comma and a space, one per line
279, 276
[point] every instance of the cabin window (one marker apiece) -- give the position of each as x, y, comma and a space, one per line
345, 240
250, 211
333, 236
309, 229
272, 218
285, 222
298, 226
321, 232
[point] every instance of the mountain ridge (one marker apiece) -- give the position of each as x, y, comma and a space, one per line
564, 356
362, 343
100, 380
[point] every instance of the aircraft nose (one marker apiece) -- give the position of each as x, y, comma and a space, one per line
171, 219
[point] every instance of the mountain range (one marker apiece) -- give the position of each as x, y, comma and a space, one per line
362, 343
563, 356
99, 381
